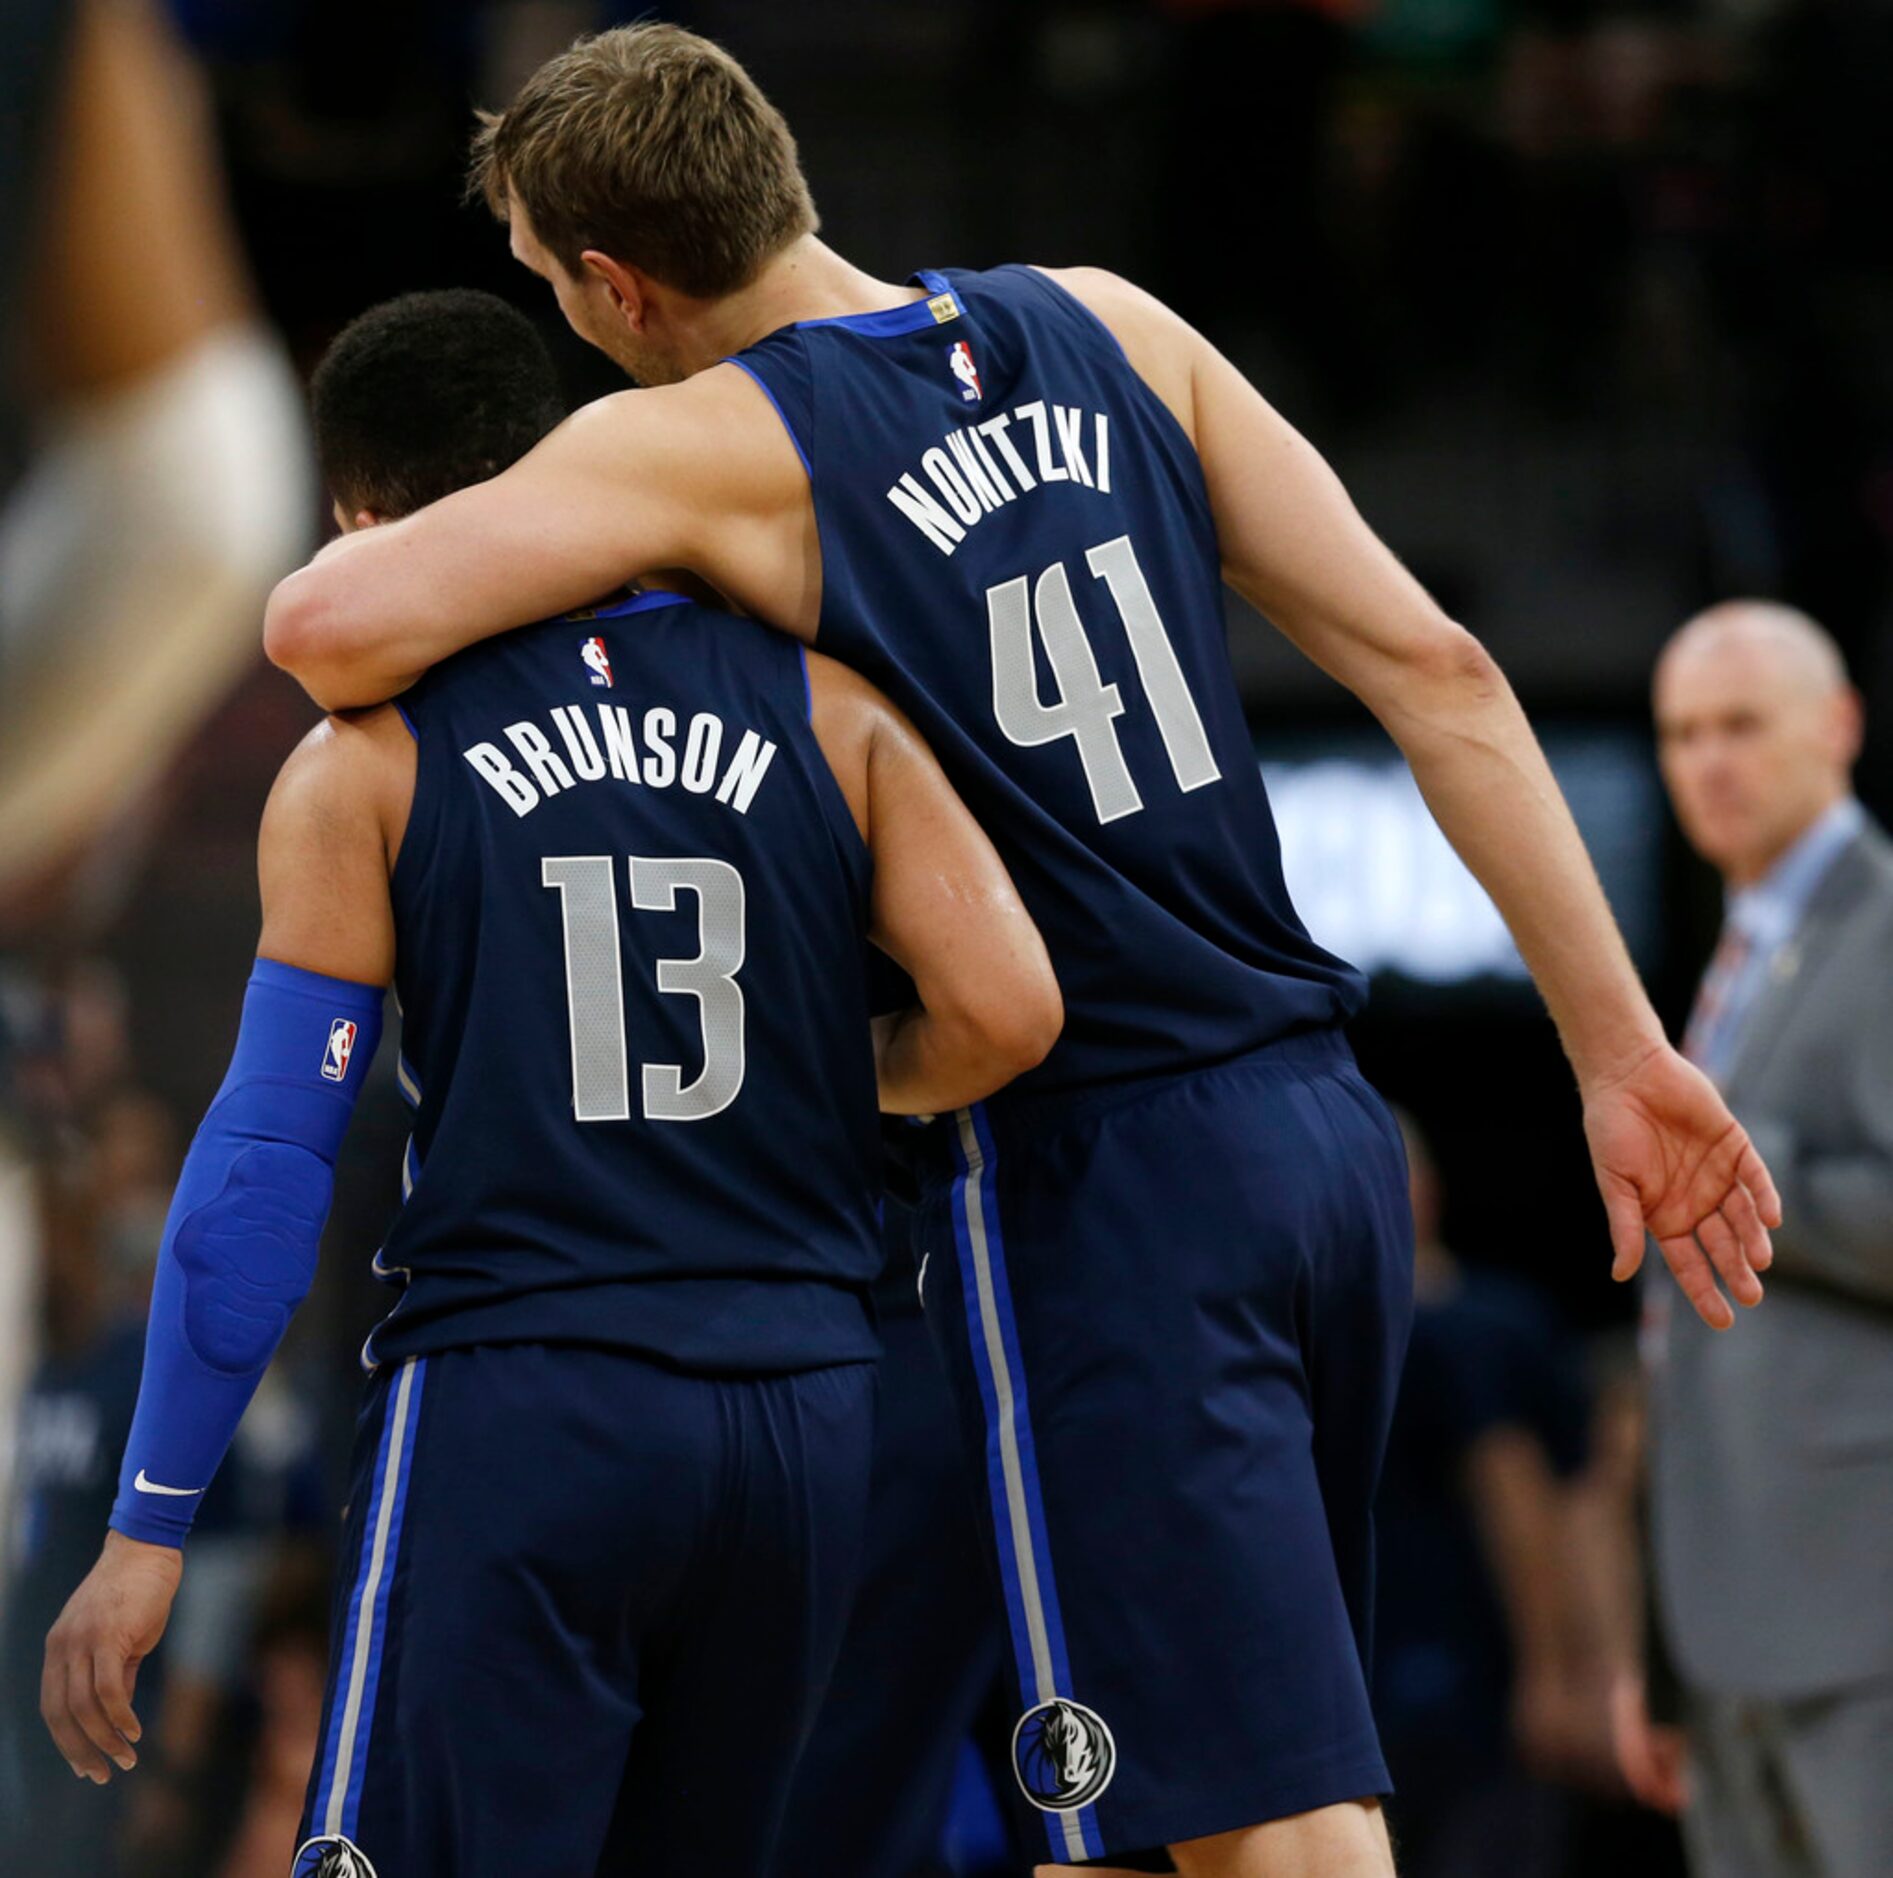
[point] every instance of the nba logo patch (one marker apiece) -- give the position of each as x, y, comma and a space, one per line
341, 1048
597, 661
960, 357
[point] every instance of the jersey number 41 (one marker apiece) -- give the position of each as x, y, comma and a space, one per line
1086, 708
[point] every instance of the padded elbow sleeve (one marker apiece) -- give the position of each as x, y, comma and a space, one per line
240, 1245
247, 1255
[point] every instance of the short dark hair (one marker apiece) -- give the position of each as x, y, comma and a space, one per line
427, 393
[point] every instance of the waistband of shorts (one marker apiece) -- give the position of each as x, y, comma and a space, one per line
1018, 1117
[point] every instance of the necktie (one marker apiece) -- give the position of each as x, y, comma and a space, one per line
1702, 1040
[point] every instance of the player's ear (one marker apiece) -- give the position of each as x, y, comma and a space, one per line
624, 284
353, 521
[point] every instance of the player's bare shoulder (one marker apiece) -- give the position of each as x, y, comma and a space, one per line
1161, 345
348, 785
713, 453
331, 830
711, 441
750, 458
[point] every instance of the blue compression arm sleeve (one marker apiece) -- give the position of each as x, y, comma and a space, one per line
240, 1244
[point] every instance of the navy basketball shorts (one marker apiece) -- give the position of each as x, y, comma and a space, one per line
585, 1613
920, 1663
1175, 1313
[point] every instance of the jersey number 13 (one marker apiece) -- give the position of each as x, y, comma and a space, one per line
594, 984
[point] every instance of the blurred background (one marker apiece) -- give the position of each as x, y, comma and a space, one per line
1591, 305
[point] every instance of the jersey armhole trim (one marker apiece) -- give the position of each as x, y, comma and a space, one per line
1159, 409
401, 712
761, 385
1066, 297
644, 600
808, 685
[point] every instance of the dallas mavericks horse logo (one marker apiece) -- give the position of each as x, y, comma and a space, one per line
1063, 1754
332, 1857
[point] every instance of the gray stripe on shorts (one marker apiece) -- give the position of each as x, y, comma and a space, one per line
365, 1618
1017, 1516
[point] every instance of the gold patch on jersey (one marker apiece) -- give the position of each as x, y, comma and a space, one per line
943, 307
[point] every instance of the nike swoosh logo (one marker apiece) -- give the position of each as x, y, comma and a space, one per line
151, 1486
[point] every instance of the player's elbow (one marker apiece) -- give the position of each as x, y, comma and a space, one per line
305, 633
293, 635
1450, 659
1019, 1017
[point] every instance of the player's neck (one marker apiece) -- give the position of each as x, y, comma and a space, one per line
807, 281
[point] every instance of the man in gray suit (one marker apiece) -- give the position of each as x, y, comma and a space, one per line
1772, 1444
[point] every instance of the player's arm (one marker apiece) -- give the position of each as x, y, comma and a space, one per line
239, 1247
623, 487
1669, 1156
944, 909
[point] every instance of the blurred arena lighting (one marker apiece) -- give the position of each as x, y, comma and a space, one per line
1378, 883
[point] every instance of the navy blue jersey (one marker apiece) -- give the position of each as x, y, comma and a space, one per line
1017, 546
631, 911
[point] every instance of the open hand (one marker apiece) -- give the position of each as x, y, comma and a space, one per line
109, 1626
1672, 1162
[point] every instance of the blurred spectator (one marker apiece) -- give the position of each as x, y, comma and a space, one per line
168, 481
65, 1054
1478, 1610
291, 1652
73, 1424
1772, 1444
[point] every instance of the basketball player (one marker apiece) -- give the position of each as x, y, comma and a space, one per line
608, 1488
1171, 1268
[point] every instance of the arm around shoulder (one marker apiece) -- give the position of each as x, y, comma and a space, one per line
614, 492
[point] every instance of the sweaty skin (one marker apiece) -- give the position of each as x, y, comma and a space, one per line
942, 906
700, 474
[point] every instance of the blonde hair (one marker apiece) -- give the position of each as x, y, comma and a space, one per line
655, 147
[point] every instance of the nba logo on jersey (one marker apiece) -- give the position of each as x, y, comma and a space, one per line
341, 1048
960, 357
597, 661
